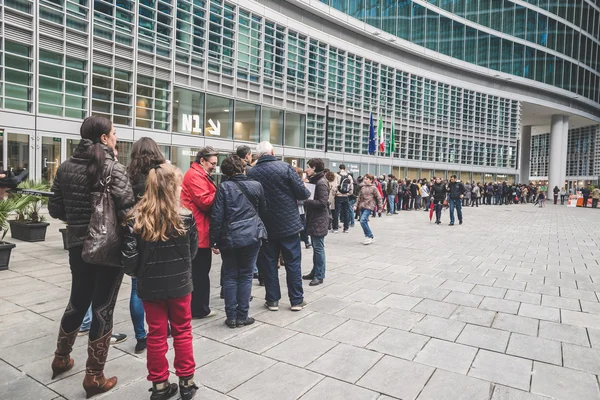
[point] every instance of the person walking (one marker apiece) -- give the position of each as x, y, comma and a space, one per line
160, 242
556, 191
197, 194
343, 189
236, 232
369, 200
283, 188
563, 196
317, 218
456, 191
586, 195
145, 154
438, 195
595, 197
75, 180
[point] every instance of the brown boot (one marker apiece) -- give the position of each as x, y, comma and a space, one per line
94, 382
62, 361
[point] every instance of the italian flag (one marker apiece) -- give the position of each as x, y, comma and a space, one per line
380, 135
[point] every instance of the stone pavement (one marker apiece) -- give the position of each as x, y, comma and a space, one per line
503, 307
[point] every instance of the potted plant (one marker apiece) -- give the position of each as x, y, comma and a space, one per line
6, 207
30, 225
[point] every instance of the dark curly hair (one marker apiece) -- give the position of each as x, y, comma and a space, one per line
232, 165
145, 154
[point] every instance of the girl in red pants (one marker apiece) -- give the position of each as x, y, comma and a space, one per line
159, 245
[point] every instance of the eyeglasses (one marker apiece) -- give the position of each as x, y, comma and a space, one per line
214, 164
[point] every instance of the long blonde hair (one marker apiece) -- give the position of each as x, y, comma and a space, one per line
157, 215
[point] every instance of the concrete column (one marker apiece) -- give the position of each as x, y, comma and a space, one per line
556, 165
525, 155
563, 160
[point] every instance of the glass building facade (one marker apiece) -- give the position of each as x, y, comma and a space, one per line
195, 72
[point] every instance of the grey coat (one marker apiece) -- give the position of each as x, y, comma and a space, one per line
317, 210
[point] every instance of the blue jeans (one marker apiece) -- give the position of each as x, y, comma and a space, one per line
351, 203
341, 212
364, 222
458, 204
136, 309
236, 273
319, 261
268, 256
392, 203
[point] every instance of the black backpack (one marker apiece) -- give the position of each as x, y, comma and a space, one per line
345, 183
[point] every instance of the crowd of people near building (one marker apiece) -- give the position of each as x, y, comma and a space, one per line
166, 226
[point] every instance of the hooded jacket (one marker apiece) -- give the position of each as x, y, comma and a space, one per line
71, 187
197, 194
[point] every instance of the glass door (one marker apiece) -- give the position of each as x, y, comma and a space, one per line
50, 157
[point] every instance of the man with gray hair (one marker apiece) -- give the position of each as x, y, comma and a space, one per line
283, 188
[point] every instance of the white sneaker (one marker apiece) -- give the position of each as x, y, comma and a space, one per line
368, 241
335, 231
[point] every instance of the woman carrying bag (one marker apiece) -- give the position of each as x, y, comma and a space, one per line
236, 232
89, 176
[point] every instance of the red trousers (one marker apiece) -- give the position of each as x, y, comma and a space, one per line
178, 313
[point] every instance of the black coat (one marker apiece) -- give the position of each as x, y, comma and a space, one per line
71, 187
283, 188
438, 192
456, 189
317, 210
231, 205
138, 184
163, 269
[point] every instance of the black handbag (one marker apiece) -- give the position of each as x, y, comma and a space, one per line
248, 231
102, 245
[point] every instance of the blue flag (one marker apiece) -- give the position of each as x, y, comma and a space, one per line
372, 138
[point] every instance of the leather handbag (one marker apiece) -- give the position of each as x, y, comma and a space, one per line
248, 231
102, 245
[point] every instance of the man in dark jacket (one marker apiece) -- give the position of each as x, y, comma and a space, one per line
245, 153
457, 193
283, 188
586, 195
317, 219
438, 194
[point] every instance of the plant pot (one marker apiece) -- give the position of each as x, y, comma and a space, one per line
5, 249
63, 231
28, 231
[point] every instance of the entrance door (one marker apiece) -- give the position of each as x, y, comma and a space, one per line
17, 152
48, 157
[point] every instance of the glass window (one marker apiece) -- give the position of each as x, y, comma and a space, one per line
249, 43
272, 125
373, 12
221, 42
388, 17
274, 54
183, 157
432, 30
188, 110
152, 105
247, 122
356, 9
404, 13
219, 117
295, 128
507, 54
483, 49
458, 40
418, 24
445, 35
471, 45
50, 157
112, 97
18, 152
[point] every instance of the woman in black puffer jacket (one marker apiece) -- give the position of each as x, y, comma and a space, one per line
236, 232
145, 154
75, 180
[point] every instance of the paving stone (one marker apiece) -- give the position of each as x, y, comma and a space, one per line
397, 378
399, 288
561, 302
445, 385
500, 305
317, 324
457, 286
347, 363
594, 335
582, 358
578, 294
464, 299
506, 393
399, 301
563, 383
332, 389
509, 284
473, 316
361, 312
328, 305
449, 356
356, 333
25, 388
261, 338
430, 293
399, 319
337, 290
480, 280
489, 291
503, 369
540, 312
580, 319
367, 296
427, 281
564, 333
439, 327
514, 323
300, 350
538, 349
292, 382
523, 297
485, 338
230, 371
542, 289
589, 307
437, 308
399, 343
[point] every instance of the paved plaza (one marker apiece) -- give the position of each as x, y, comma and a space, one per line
503, 307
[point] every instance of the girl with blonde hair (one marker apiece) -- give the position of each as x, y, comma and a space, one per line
160, 242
